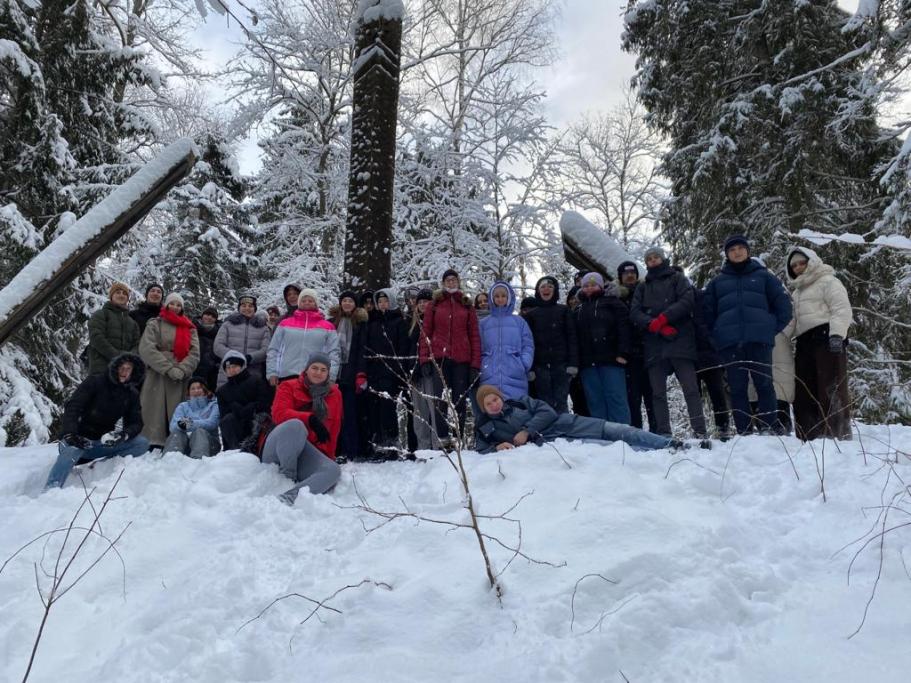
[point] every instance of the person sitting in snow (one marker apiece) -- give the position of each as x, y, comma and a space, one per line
307, 412
89, 428
243, 403
194, 425
507, 424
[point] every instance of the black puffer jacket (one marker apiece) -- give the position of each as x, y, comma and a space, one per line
208, 361
347, 374
387, 338
669, 292
553, 330
603, 329
245, 394
143, 313
637, 341
101, 400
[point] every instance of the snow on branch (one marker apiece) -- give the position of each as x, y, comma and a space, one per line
373, 10
892, 241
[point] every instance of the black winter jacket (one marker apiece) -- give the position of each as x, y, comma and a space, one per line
554, 331
669, 292
143, 313
386, 340
208, 361
347, 374
244, 395
637, 338
603, 330
101, 400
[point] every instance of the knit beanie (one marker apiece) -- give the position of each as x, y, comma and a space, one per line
425, 295
118, 287
486, 390
308, 292
348, 294
318, 357
593, 278
366, 297
734, 240
153, 286
247, 298
656, 251
627, 267
173, 296
211, 311
447, 273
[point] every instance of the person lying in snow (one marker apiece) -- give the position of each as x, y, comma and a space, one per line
308, 415
89, 424
506, 424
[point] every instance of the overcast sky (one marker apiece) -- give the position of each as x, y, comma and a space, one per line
589, 75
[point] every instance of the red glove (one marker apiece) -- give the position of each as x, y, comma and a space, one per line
668, 332
360, 382
657, 323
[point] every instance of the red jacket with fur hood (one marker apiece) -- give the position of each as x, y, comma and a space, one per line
451, 325
292, 401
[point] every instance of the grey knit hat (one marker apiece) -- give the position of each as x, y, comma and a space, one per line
656, 251
318, 357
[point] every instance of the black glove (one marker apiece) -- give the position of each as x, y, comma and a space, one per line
427, 369
836, 344
535, 438
318, 428
184, 423
75, 441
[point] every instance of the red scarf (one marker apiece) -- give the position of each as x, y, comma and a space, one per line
182, 336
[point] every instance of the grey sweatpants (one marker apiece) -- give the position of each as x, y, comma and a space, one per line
425, 428
198, 444
686, 375
300, 460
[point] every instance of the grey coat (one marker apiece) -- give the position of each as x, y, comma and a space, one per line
666, 291
535, 417
248, 336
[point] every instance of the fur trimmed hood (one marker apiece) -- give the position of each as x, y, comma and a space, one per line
257, 321
358, 315
463, 298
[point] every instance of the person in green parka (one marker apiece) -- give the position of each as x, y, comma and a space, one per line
112, 331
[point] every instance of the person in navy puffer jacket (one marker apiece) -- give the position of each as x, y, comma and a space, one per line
507, 347
745, 306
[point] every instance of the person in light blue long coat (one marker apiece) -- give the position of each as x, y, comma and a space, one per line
194, 425
507, 346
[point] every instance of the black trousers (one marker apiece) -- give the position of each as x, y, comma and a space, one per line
712, 380
639, 390
456, 378
577, 394
552, 384
384, 418
233, 431
822, 406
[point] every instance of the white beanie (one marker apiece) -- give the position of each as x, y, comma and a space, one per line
173, 296
308, 292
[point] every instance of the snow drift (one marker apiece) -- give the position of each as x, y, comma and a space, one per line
713, 566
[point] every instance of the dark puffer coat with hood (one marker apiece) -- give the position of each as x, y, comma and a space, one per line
101, 400
386, 340
553, 330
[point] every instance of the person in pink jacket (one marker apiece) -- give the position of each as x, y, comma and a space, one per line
297, 337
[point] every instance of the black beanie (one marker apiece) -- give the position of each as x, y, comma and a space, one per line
734, 240
154, 284
447, 273
347, 294
625, 266
425, 295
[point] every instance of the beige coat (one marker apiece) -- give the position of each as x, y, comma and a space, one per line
782, 370
819, 298
161, 394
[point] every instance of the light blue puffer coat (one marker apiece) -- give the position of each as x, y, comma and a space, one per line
203, 411
507, 347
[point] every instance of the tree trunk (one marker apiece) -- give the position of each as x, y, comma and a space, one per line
368, 234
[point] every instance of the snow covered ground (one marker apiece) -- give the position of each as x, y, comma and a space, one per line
726, 568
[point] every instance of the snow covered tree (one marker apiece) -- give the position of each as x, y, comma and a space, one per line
768, 111
61, 150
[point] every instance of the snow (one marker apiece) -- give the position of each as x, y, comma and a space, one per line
726, 567
372, 10
892, 241
44, 265
11, 51
593, 241
866, 10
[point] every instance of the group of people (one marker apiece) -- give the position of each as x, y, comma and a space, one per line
307, 392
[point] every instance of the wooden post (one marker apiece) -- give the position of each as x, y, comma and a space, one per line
368, 233
81, 244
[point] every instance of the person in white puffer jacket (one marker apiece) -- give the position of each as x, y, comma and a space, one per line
822, 316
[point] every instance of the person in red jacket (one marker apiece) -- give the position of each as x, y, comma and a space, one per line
307, 412
449, 349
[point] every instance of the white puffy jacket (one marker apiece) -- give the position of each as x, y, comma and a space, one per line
819, 298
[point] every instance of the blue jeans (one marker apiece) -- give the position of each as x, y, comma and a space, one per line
638, 439
68, 456
742, 362
605, 393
